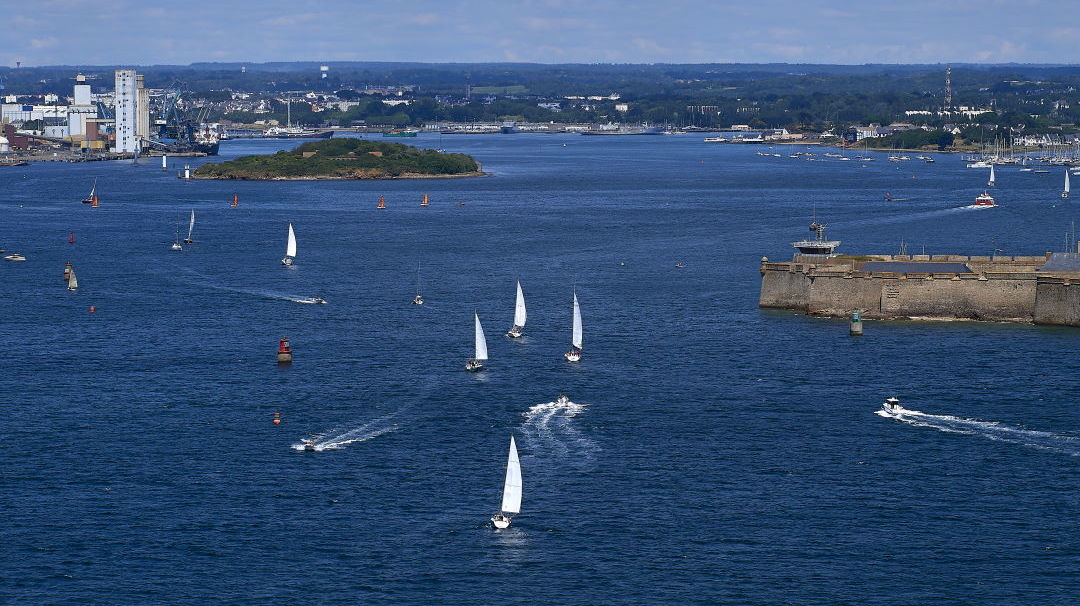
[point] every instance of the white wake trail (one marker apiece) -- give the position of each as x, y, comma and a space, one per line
339, 438
1045, 440
549, 426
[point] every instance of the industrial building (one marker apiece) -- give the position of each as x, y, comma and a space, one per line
81, 122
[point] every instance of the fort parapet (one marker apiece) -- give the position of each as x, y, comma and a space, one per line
1042, 289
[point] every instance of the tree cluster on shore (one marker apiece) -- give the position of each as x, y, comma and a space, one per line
344, 158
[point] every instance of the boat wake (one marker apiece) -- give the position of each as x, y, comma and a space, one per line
550, 427
258, 292
340, 438
989, 429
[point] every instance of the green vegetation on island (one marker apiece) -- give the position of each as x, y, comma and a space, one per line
344, 158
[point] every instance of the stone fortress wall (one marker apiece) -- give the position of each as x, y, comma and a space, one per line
1000, 288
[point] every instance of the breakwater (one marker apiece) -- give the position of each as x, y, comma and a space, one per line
937, 287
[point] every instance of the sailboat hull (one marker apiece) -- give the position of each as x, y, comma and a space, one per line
500, 521
515, 332
574, 355
287, 261
473, 366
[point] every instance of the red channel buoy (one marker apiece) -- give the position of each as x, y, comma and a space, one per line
284, 352
277, 418
92, 310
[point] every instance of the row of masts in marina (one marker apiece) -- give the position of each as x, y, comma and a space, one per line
1055, 154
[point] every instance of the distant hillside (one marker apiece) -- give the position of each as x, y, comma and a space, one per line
345, 158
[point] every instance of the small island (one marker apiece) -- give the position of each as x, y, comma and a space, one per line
344, 158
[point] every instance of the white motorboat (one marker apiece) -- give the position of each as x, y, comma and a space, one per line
574, 355
309, 445
892, 405
14, 257
290, 248
518, 329
476, 363
318, 300
562, 400
511, 500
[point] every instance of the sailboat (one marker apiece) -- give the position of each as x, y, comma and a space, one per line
382, 203
475, 363
176, 242
1065, 192
73, 283
424, 201
290, 248
991, 182
190, 228
511, 500
89, 199
519, 315
418, 299
574, 355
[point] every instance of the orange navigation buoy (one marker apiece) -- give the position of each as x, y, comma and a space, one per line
235, 200
382, 203
424, 202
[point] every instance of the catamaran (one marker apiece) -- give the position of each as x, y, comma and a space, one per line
574, 355
73, 282
418, 299
1065, 192
475, 363
190, 228
511, 500
517, 330
290, 248
990, 183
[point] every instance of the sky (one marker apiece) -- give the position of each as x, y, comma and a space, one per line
131, 32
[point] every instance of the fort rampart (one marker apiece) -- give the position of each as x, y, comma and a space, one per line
1002, 289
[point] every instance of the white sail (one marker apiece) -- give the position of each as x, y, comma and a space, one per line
1066, 180
191, 224
511, 501
481, 342
519, 307
290, 249
73, 283
991, 175
93, 188
577, 324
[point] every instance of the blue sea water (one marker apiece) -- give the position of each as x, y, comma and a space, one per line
714, 453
